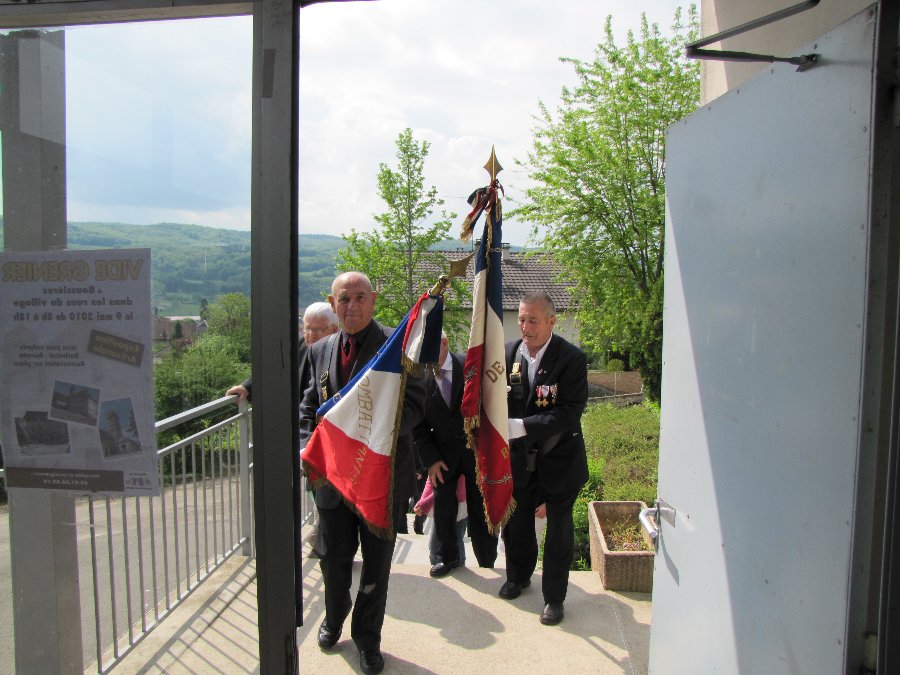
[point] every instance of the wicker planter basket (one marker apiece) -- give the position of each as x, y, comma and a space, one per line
619, 570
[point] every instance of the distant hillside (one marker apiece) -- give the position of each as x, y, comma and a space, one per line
191, 262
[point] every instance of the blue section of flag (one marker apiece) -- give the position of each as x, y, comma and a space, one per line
431, 348
387, 359
495, 278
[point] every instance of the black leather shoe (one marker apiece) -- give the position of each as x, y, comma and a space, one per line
511, 589
371, 660
552, 614
442, 569
328, 636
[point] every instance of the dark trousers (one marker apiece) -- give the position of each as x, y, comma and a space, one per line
559, 539
484, 544
343, 532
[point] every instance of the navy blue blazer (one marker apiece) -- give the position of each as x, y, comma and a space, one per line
440, 435
550, 403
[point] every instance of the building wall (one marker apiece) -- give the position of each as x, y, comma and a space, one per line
782, 38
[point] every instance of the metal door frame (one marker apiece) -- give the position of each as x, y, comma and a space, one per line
274, 237
874, 640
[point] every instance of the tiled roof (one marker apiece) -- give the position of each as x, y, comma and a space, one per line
522, 273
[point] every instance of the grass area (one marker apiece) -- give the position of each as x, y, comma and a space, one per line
623, 459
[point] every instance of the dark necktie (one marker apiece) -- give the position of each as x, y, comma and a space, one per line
348, 358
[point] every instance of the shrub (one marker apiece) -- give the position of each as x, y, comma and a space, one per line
623, 458
615, 366
590, 492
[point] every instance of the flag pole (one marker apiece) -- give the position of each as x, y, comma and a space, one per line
484, 403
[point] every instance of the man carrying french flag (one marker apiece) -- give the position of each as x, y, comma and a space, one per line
364, 397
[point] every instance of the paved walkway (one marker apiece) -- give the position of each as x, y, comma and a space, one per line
454, 625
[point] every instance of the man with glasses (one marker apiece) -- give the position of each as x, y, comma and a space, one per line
547, 384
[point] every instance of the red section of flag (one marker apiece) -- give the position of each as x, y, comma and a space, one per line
471, 402
362, 476
494, 475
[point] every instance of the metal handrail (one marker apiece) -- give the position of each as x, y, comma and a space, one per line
201, 518
158, 550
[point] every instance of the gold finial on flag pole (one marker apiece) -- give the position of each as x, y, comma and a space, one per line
457, 269
493, 166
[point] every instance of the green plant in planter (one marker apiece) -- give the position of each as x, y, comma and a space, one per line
626, 537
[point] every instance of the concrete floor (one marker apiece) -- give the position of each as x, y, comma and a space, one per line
454, 625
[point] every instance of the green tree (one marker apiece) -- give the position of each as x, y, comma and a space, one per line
599, 169
198, 375
396, 255
229, 317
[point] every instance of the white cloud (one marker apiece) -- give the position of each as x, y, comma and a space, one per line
162, 110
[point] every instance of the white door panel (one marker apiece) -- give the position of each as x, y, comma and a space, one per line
766, 234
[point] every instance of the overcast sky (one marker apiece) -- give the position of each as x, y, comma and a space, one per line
158, 114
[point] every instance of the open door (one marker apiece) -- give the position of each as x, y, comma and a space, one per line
767, 228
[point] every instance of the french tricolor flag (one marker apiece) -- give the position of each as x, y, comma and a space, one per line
484, 406
354, 443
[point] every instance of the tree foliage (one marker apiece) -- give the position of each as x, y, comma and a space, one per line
393, 255
229, 317
599, 168
196, 376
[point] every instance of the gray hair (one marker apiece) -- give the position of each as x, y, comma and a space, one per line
540, 297
321, 310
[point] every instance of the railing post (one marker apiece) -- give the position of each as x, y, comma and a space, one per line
244, 477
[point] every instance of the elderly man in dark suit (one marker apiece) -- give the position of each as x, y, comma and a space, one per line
334, 361
547, 379
441, 441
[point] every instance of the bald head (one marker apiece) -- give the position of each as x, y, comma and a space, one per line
348, 278
353, 300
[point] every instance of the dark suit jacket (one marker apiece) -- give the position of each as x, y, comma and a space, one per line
555, 428
440, 436
324, 363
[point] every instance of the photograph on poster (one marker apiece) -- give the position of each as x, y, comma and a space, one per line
118, 428
75, 403
37, 435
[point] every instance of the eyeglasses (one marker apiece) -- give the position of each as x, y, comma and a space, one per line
315, 331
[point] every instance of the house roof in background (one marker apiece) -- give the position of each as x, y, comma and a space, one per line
523, 272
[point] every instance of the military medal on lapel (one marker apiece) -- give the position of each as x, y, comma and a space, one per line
554, 388
515, 377
542, 391
323, 382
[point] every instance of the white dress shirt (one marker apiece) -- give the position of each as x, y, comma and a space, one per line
516, 425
